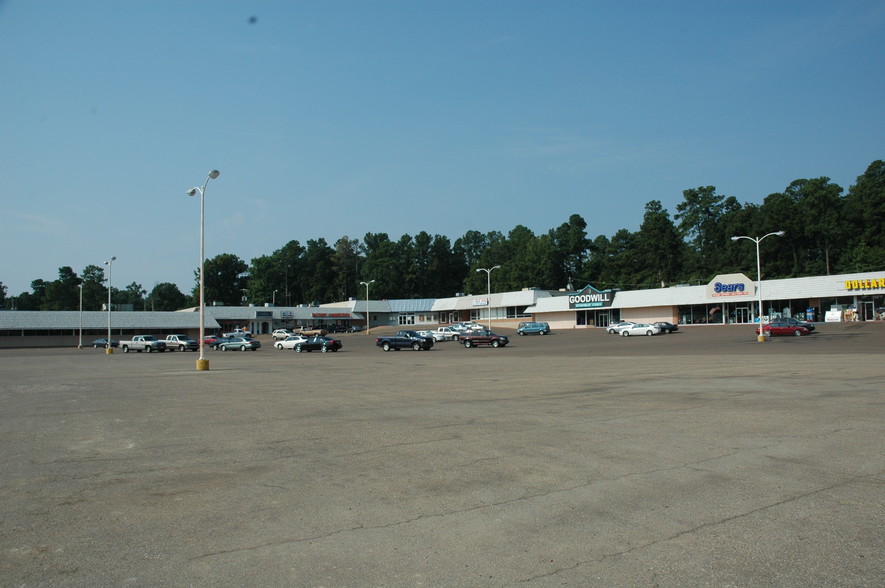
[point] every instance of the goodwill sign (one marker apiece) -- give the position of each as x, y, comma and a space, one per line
590, 297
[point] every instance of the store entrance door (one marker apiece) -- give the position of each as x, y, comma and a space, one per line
742, 314
867, 310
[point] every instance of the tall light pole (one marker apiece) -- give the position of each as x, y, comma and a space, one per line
757, 240
202, 362
109, 349
366, 284
80, 344
488, 272
274, 299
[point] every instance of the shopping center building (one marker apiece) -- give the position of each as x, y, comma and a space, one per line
726, 299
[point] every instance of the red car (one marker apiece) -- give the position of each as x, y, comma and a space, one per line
784, 328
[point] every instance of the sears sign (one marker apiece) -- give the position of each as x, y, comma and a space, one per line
590, 297
730, 285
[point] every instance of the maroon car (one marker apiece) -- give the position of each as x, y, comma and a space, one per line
776, 327
483, 337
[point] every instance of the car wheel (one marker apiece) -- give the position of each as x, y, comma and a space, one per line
611, 331
466, 343
625, 334
148, 348
242, 348
385, 346
278, 346
182, 348
543, 332
456, 338
520, 333
495, 344
798, 333
125, 349
223, 347
324, 349
416, 346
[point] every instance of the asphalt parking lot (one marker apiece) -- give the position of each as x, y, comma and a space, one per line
701, 458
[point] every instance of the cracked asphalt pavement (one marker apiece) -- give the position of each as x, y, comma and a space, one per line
701, 458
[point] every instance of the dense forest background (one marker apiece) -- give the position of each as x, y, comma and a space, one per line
827, 231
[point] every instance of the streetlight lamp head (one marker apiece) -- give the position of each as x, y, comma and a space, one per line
735, 238
191, 192
213, 174
781, 233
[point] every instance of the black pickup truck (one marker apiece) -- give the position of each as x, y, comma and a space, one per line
404, 339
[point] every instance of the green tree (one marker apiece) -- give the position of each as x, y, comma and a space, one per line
570, 240
2, 295
134, 294
700, 224
317, 281
63, 293
167, 297
225, 280
660, 248
865, 216
263, 279
380, 265
345, 263
446, 271
95, 293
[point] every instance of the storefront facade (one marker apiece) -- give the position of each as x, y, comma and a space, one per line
726, 299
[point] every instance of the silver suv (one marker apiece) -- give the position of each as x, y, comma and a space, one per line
281, 334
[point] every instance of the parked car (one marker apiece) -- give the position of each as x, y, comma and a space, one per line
290, 342
103, 343
355, 328
640, 329
483, 337
319, 342
435, 335
781, 327
241, 343
532, 328
210, 340
336, 328
616, 328
280, 334
216, 341
795, 322
666, 327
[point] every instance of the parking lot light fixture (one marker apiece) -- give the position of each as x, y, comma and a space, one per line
202, 362
761, 336
366, 284
109, 348
488, 272
80, 343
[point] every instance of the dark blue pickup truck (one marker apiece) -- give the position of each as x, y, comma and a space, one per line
403, 340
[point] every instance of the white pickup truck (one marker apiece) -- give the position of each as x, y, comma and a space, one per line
139, 343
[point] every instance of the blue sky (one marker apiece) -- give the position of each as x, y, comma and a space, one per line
333, 118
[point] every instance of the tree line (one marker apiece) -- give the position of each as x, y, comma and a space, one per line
827, 231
